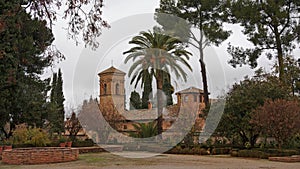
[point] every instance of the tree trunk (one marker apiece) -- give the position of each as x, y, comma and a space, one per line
253, 139
279, 54
204, 81
203, 70
159, 84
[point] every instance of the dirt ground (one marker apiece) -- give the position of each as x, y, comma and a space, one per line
164, 161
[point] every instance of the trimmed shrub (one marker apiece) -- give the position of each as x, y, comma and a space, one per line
194, 151
85, 143
219, 151
264, 154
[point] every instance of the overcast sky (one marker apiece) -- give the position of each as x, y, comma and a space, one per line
128, 18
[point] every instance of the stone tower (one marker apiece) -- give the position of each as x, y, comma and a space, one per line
112, 91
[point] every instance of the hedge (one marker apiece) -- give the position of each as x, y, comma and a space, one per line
264, 154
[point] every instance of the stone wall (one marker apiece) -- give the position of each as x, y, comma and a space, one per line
39, 155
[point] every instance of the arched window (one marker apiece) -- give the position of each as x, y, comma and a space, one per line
105, 88
117, 88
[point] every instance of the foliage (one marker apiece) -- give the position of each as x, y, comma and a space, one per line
294, 142
147, 91
145, 130
84, 143
32, 136
278, 119
157, 53
205, 16
23, 41
194, 150
264, 154
168, 89
271, 26
292, 74
73, 126
56, 113
242, 101
84, 17
135, 100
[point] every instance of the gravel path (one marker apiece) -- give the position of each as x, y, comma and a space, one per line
165, 161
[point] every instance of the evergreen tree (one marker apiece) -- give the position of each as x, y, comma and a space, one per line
60, 100
135, 100
205, 16
23, 40
56, 106
271, 26
168, 89
147, 90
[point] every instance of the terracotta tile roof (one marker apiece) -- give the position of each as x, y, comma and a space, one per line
190, 90
112, 70
146, 114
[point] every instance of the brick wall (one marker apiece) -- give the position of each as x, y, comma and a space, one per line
39, 155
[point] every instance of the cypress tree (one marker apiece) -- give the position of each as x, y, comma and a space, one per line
147, 90
56, 111
135, 100
60, 100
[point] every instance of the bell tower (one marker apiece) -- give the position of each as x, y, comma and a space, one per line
112, 91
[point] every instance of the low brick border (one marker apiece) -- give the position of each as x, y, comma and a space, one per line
286, 159
39, 155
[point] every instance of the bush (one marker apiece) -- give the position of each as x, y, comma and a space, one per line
194, 150
29, 137
218, 151
279, 152
258, 153
252, 154
85, 143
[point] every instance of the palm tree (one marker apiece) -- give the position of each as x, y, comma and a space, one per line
159, 54
144, 130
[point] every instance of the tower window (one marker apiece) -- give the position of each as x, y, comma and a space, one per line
117, 88
105, 88
186, 98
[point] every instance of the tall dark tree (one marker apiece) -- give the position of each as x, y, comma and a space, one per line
205, 16
272, 27
147, 90
60, 99
135, 101
168, 89
25, 50
23, 40
56, 111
